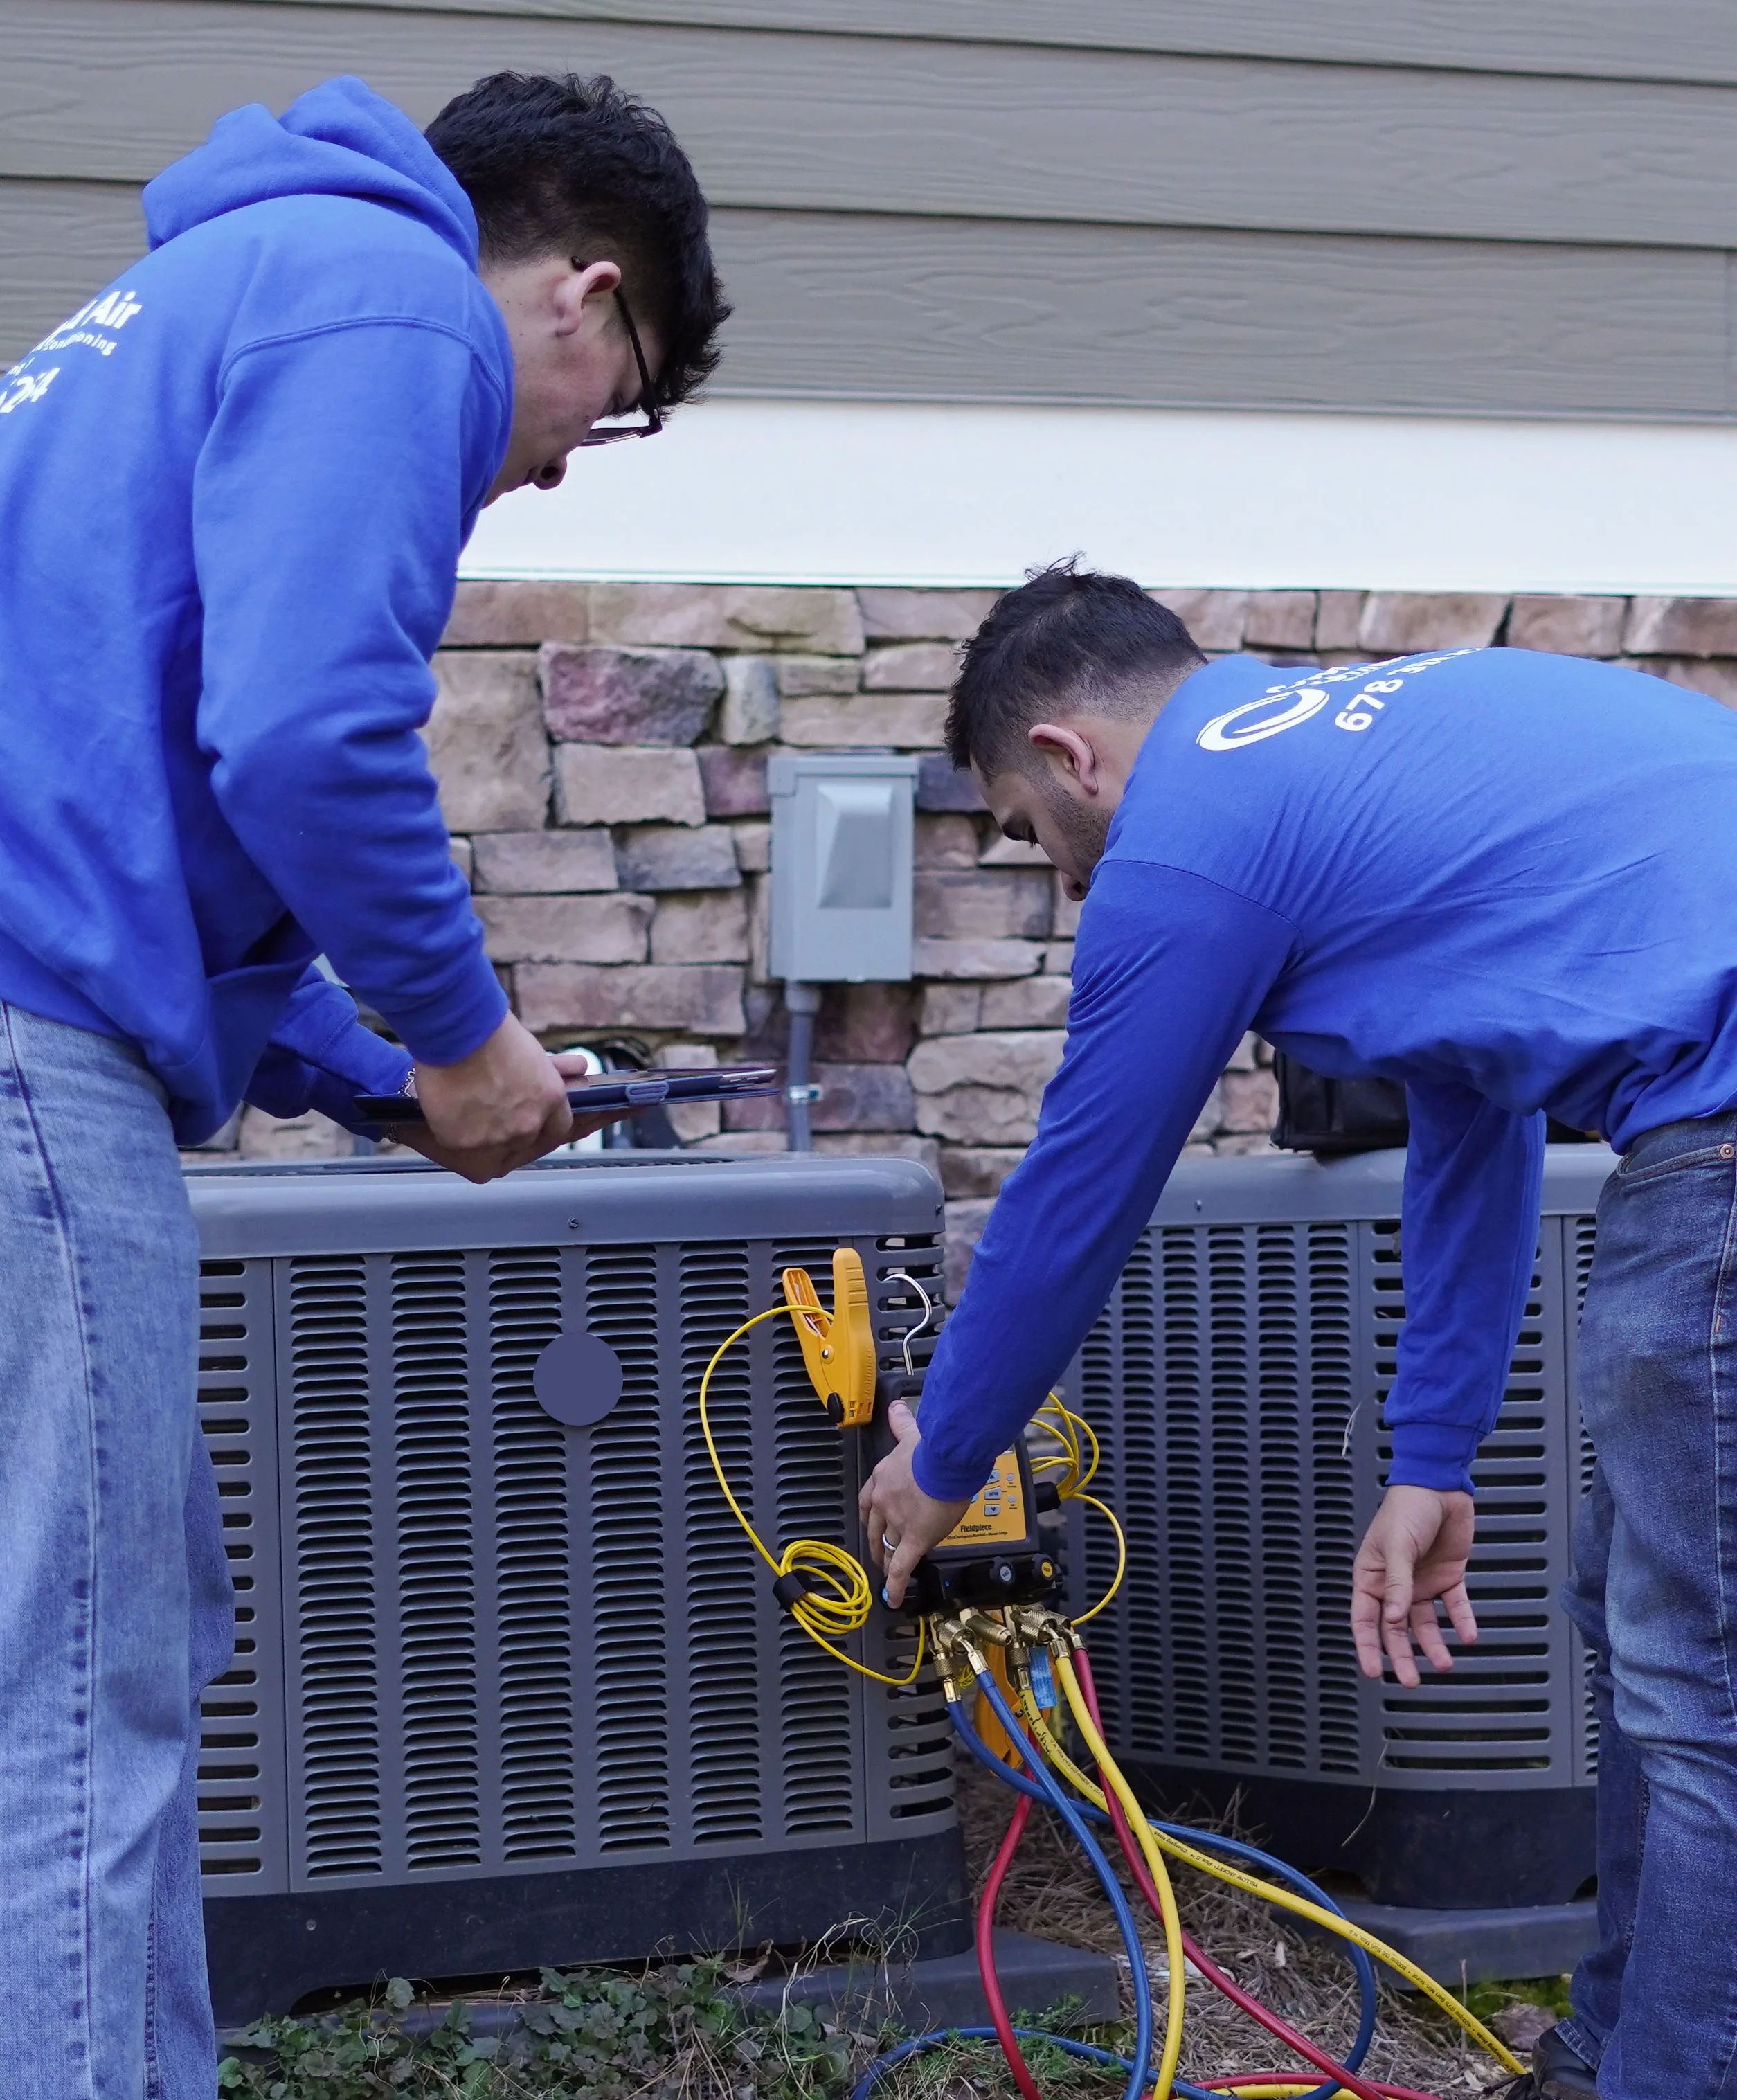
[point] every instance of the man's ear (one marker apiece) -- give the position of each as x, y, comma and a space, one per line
1074, 755
576, 291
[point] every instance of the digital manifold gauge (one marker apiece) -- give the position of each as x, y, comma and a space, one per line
995, 1554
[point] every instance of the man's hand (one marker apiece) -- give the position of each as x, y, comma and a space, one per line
501, 1107
899, 1520
1414, 1554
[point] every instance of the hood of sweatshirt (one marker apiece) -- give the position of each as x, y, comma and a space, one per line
339, 139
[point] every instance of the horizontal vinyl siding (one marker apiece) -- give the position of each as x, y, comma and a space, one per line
891, 308
58, 241
1143, 216
111, 89
1691, 40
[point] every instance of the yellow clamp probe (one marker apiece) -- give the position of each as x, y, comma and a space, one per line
837, 1347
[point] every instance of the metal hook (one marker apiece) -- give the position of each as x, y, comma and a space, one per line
910, 1333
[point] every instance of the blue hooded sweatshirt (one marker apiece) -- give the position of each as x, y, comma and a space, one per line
1502, 878
233, 490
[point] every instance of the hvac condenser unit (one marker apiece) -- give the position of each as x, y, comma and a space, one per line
1236, 1380
510, 1686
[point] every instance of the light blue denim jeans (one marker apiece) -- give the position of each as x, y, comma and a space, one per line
1655, 1592
115, 1600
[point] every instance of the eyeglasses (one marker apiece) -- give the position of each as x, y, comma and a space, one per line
653, 421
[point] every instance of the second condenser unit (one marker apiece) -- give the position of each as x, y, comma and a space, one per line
1236, 1381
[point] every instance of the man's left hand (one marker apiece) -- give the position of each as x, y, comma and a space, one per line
902, 1522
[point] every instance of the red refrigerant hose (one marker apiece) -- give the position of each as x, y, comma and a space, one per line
986, 1902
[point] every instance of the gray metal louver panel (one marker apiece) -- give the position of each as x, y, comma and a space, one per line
909, 1737
1222, 1407
720, 1578
808, 1490
508, 1646
242, 1787
1236, 1380
335, 1631
1580, 1234
1505, 1708
534, 1643
628, 1625
435, 1547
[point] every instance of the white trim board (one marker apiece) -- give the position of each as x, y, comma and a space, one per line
870, 492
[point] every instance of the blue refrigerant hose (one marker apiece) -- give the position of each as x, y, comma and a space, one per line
1041, 1787
1212, 1841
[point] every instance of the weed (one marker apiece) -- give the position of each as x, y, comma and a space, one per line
674, 2033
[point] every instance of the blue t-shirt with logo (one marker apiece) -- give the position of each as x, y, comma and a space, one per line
1506, 879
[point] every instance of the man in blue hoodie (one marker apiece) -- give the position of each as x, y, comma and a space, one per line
233, 490
1506, 879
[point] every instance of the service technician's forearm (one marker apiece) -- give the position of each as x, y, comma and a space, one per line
284, 1085
1170, 969
327, 508
1469, 1232
321, 1057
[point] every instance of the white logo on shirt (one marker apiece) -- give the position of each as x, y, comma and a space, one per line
1219, 733
1300, 703
15, 390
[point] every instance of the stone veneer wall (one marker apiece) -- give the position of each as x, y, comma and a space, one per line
602, 750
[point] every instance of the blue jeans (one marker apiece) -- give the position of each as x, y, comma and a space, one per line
1655, 1592
115, 1598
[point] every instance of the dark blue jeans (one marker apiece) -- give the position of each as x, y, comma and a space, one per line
1655, 1592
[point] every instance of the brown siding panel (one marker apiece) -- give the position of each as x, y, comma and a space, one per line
959, 309
59, 243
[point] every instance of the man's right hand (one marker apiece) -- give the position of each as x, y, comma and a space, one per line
501, 1107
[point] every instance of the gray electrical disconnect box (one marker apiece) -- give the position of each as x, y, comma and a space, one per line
841, 858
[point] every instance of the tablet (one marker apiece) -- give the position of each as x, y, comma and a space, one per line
626, 1092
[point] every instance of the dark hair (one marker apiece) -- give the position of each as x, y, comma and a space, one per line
1066, 633
553, 164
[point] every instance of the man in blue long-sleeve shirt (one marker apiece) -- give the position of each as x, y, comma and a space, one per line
1507, 880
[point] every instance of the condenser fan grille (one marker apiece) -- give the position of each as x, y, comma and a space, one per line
1236, 1380
478, 1642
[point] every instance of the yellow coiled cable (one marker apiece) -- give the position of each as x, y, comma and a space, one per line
1078, 1473
840, 1603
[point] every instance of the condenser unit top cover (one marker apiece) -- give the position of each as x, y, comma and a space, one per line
344, 1206
1237, 1381
1294, 1188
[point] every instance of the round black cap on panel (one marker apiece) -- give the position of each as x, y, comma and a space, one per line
577, 1378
